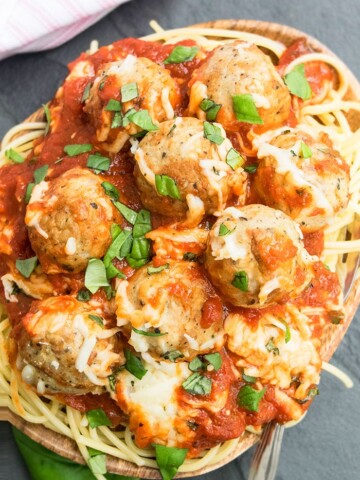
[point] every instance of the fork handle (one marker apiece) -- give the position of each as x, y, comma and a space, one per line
266, 458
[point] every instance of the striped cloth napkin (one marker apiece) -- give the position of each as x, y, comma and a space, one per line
32, 25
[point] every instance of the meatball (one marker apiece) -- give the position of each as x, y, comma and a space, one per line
180, 152
153, 90
64, 347
255, 256
304, 176
69, 220
174, 310
240, 68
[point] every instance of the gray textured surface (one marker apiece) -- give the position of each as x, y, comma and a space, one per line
326, 444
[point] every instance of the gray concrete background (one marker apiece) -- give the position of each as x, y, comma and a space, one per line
326, 444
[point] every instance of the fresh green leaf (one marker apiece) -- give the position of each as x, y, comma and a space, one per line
95, 275
111, 191
167, 186
40, 174
149, 334
142, 119
97, 320
86, 92
214, 359
13, 155
245, 109
271, 347
297, 83
172, 355
126, 212
136, 263
197, 384
112, 272
142, 224
26, 267
48, 118
140, 248
98, 162
93, 452
213, 133
181, 54
97, 464
241, 281
210, 108
249, 398
114, 249
152, 270
190, 257
313, 392
97, 418
115, 230
113, 106
306, 151
169, 459
129, 92
196, 364
83, 295
248, 378
287, 331
223, 230
250, 168
134, 365
77, 149
118, 120
127, 245
234, 159
28, 192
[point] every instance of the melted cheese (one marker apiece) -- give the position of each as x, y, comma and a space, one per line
147, 173
169, 111
70, 246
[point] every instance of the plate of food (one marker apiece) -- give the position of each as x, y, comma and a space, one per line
179, 246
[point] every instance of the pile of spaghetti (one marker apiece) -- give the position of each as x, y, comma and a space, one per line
172, 244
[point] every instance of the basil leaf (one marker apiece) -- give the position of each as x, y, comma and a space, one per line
197, 384
118, 120
86, 92
129, 92
102, 83
245, 109
83, 295
95, 275
234, 159
172, 355
152, 270
190, 257
13, 155
149, 334
214, 359
140, 248
97, 418
311, 394
213, 133
126, 247
98, 162
169, 459
26, 267
97, 464
142, 224
241, 281
306, 151
115, 230
250, 168
249, 398
210, 108
40, 174
223, 230
133, 365
181, 54
167, 186
136, 263
270, 347
297, 83
142, 119
248, 378
196, 364
114, 249
113, 106
77, 149
111, 191
287, 331
97, 320
112, 272
126, 212
28, 192
48, 118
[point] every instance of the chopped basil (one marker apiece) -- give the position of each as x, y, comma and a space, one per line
133, 365
140, 248
234, 159
48, 118
336, 320
95, 275
40, 174
149, 334
142, 224
190, 257
129, 214
223, 230
201, 362
245, 109
115, 230
181, 54
111, 190
249, 398
14, 156
26, 267
297, 83
112, 272
118, 120
86, 92
248, 378
271, 347
83, 295
102, 83
214, 359
169, 460
311, 394
241, 281
97, 464
77, 149
287, 331
97, 418
167, 186
129, 92
197, 384
112, 382
306, 151
126, 247
115, 247
172, 355
113, 106
196, 365
210, 108
28, 192
152, 270
136, 263
142, 119
98, 163
250, 168
97, 320
213, 133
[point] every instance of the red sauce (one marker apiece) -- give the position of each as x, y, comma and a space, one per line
212, 312
314, 242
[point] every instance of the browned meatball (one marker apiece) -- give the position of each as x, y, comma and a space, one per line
302, 175
180, 151
63, 349
255, 256
240, 68
69, 221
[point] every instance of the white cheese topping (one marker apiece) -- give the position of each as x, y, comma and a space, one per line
70, 247
169, 111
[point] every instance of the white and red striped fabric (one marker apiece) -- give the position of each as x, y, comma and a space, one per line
32, 25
